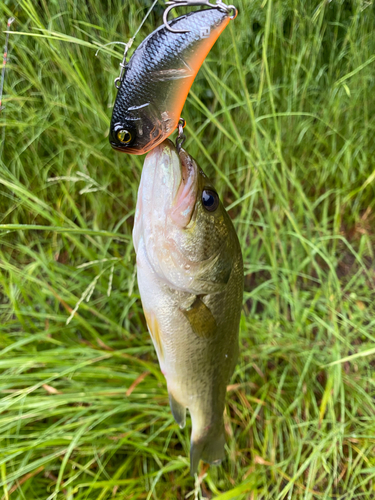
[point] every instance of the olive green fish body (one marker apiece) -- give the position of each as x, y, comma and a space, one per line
158, 78
190, 277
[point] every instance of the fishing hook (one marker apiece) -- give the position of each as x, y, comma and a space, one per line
220, 5
181, 138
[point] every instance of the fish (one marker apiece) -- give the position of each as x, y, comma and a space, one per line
190, 278
158, 78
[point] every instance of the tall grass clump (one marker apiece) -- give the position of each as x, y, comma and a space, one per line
281, 117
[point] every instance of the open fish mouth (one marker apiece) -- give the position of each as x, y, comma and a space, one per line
186, 195
174, 178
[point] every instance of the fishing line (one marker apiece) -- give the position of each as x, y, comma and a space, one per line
118, 80
144, 19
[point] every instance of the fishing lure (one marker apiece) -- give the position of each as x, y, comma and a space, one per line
153, 86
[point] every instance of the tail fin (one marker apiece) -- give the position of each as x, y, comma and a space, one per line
209, 448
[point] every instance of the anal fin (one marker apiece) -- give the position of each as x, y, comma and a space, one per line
178, 411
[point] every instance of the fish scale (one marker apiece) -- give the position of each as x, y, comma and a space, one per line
158, 78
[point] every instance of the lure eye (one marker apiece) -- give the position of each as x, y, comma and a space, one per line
210, 200
124, 136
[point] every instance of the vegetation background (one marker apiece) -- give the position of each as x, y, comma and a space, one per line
282, 118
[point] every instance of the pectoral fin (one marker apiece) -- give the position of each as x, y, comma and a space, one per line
201, 319
178, 411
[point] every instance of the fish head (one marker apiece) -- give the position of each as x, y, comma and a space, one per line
186, 231
138, 128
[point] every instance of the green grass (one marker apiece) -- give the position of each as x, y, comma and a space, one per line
282, 118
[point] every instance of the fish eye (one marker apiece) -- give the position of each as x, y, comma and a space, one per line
124, 136
210, 200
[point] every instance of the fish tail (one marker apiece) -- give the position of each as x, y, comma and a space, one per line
209, 448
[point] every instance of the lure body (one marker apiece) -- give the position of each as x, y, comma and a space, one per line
190, 277
158, 78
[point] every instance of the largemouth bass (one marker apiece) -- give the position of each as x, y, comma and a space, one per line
158, 78
190, 277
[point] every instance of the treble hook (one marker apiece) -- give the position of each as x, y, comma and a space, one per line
220, 5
